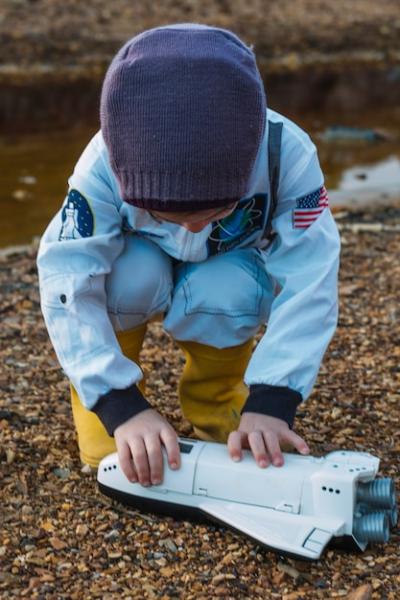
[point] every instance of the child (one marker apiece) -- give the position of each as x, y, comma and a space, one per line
196, 202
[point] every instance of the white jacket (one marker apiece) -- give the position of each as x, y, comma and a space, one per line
77, 251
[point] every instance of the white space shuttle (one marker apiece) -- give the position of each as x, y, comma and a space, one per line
296, 509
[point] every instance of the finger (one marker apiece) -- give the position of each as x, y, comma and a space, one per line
257, 446
296, 441
274, 449
235, 443
140, 460
170, 441
125, 461
155, 458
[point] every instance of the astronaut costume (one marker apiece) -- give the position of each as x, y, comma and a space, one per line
107, 266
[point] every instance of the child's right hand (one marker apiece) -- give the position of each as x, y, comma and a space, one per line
139, 442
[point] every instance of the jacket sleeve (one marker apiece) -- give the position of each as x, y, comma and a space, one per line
303, 264
76, 252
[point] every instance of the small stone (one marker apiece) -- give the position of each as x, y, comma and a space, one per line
57, 543
364, 592
218, 579
10, 456
169, 544
47, 525
292, 596
61, 473
289, 570
86, 469
81, 529
111, 535
166, 571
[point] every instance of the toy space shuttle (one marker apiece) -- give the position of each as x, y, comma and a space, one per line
296, 509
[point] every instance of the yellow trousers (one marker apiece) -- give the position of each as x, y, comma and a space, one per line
211, 393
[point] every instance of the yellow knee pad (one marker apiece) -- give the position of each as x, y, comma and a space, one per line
211, 389
93, 439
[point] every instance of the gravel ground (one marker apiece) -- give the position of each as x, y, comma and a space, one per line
60, 538
70, 33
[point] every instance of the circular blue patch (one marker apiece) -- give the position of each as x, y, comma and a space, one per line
77, 217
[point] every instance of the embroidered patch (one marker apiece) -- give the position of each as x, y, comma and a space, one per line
77, 218
246, 220
309, 207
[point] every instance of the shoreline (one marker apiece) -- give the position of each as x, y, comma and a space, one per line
311, 55
45, 97
71, 33
317, 46
291, 62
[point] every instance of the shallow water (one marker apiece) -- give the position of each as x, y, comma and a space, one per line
35, 168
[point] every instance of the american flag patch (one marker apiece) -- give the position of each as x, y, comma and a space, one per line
309, 207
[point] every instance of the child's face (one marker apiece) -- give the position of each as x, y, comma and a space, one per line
194, 221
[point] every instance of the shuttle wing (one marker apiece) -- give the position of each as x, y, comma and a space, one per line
292, 533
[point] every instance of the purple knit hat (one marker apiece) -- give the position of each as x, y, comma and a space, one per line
183, 113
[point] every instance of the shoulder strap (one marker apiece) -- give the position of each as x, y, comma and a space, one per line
274, 163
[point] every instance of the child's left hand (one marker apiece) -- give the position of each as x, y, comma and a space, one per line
263, 434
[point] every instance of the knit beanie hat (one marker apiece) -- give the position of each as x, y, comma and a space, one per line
183, 111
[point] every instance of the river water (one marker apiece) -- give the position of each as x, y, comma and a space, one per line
35, 168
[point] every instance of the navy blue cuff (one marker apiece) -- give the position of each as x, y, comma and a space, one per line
274, 401
117, 406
